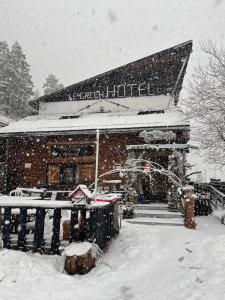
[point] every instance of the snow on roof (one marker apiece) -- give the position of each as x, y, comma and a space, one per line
158, 146
83, 188
172, 117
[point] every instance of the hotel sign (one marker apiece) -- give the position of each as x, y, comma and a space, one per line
115, 91
152, 75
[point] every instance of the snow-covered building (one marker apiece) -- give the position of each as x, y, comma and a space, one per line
57, 147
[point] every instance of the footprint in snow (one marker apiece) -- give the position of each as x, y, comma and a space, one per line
188, 250
126, 292
199, 280
180, 259
2, 276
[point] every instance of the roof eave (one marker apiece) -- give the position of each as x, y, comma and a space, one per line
185, 127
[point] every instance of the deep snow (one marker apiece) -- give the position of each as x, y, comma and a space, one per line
143, 262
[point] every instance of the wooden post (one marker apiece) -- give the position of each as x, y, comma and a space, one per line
73, 223
111, 221
39, 229
223, 204
100, 230
82, 225
92, 226
98, 227
6, 227
105, 229
96, 162
56, 231
22, 230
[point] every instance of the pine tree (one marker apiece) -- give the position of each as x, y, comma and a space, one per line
15, 81
34, 103
51, 84
21, 86
5, 77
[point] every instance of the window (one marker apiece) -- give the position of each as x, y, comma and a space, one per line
69, 117
53, 174
68, 174
62, 174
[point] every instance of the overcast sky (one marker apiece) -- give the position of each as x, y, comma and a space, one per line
76, 39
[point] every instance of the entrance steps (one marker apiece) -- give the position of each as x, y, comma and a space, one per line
156, 214
155, 206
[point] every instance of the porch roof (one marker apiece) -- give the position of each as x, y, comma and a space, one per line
132, 121
184, 147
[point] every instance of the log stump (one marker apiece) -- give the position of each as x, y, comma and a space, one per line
79, 258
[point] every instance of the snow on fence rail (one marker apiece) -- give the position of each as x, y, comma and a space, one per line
93, 223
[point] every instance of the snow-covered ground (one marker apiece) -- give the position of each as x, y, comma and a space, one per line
143, 262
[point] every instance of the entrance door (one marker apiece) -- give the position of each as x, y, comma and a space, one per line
155, 190
68, 174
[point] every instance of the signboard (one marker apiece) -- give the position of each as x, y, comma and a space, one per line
115, 91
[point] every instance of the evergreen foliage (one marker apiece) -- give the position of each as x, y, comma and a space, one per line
5, 76
16, 86
52, 84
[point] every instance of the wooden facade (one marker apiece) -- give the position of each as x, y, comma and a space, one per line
37, 163
61, 158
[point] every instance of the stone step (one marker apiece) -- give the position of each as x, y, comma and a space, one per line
153, 212
157, 221
154, 223
151, 207
167, 215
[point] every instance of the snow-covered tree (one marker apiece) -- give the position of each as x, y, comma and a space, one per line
34, 103
15, 81
206, 104
5, 76
51, 84
21, 83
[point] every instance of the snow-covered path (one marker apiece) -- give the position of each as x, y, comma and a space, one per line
143, 263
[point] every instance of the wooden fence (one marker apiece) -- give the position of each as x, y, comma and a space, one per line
93, 223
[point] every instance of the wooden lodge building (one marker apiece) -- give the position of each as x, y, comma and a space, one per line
57, 148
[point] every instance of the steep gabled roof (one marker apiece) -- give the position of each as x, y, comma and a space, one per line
164, 71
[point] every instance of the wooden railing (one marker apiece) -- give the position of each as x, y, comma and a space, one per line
219, 185
217, 201
93, 223
209, 199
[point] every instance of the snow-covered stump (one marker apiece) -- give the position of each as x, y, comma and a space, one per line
189, 207
79, 258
